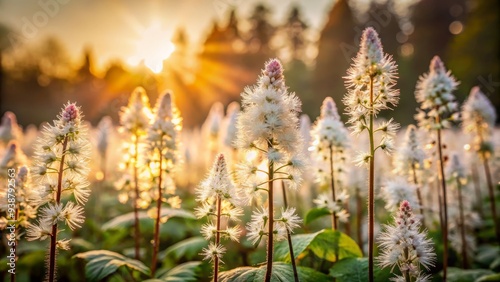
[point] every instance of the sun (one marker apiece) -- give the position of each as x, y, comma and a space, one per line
153, 48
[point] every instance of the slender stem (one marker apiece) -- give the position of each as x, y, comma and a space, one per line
477, 190
348, 222
371, 199
289, 238
490, 183
156, 241
53, 237
406, 273
445, 203
419, 194
462, 225
359, 216
217, 238
332, 186
136, 199
440, 204
270, 240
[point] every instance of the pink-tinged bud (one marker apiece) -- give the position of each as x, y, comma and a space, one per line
274, 69
70, 113
437, 65
371, 46
329, 108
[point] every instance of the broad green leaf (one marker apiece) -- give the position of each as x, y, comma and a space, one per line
127, 220
491, 277
281, 272
186, 272
323, 244
315, 213
464, 275
188, 248
102, 263
356, 270
84, 244
487, 254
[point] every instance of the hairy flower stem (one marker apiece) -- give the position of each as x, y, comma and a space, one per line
444, 201
359, 215
332, 185
289, 238
217, 238
419, 195
156, 242
406, 273
371, 214
270, 239
490, 185
136, 199
477, 190
53, 237
462, 225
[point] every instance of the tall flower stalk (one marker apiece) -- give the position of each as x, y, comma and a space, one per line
19, 212
479, 116
330, 139
162, 155
370, 82
219, 200
134, 120
438, 107
405, 246
60, 167
268, 125
409, 160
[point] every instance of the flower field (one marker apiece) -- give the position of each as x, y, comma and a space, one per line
260, 192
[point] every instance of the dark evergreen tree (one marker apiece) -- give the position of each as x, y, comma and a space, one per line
337, 45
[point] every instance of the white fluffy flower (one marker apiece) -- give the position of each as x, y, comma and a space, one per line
410, 155
397, 190
136, 116
435, 93
213, 252
404, 245
478, 117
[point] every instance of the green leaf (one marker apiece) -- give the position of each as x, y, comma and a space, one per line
464, 275
102, 263
323, 244
281, 272
188, 248
315, 213
186, 272
356, 270
127, 220
491, 277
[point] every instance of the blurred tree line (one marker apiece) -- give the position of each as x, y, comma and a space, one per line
35, 82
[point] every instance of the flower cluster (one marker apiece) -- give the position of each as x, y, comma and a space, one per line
259, 225
478, 117
162, 145
396, 190
25, 195
410, 156
435, 93
219, 199
60, 167
269, 125
134, 119
324, 200
404, 245
330, 138
370, 82
9, 129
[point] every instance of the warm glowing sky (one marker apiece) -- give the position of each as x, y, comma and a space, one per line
114, 27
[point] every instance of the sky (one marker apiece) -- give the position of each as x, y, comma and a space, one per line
115, 28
